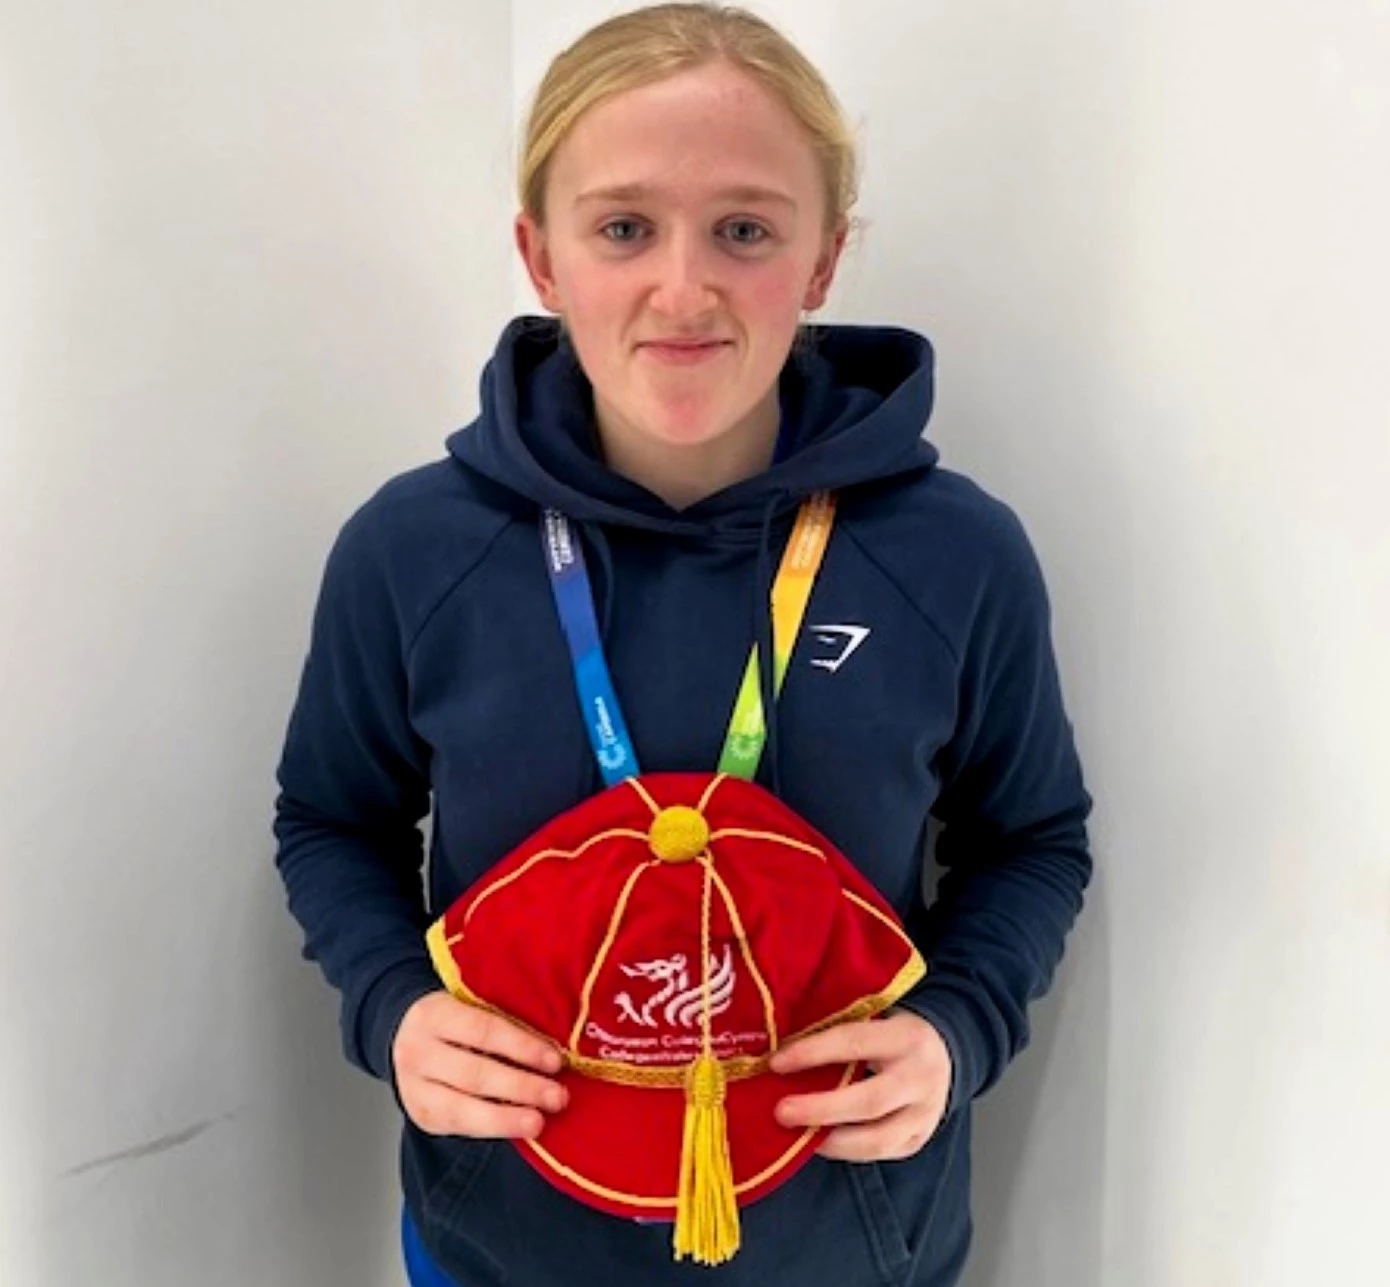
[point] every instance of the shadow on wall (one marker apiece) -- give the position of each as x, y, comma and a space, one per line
293, 1185
1040, 1134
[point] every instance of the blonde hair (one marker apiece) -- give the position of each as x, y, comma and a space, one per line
647, 45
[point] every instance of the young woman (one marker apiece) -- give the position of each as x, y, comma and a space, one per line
686, 190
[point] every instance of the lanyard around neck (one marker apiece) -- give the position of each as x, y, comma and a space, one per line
747, 734
791, 592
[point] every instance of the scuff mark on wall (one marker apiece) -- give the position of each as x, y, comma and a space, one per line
151, 1148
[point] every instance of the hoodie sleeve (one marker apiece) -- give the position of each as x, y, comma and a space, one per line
1013, 849
354, 784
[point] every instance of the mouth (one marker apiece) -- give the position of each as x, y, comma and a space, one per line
684, 352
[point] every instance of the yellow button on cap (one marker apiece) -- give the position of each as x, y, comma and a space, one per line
678, 834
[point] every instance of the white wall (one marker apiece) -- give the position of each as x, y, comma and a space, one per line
1149, 241
252, 259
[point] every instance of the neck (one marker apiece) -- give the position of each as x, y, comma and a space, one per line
683, 476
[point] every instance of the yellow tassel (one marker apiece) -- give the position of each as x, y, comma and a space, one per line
706, 1210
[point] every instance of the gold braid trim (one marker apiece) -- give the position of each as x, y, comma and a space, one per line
665, 1077
873, 911
586, 998
443, 959
772, 837
709, 792
622, 833
866, 1007
746, 949
707, 1221
646, 796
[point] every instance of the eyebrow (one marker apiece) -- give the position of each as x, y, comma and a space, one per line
641, 192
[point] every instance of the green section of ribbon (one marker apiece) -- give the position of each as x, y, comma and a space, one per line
743, 746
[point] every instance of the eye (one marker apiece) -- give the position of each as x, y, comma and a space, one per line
744, 232
623, 226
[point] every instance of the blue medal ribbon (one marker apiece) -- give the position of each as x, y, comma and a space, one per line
603, 717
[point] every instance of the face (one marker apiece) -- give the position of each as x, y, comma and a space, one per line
684, 233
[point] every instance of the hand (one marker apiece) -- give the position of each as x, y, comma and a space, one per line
884, 1117
461, 1070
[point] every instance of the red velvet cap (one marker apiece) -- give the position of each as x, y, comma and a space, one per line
668, 935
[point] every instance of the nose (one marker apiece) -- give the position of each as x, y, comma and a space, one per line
685, 286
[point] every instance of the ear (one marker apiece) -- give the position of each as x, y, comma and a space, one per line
535, 254
824, 273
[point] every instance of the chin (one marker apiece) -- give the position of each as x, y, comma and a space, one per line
687, 427
687, 435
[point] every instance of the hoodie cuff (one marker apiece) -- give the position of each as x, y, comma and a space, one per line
949, 1013
383, 1008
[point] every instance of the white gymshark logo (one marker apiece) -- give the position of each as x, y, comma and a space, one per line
846, 638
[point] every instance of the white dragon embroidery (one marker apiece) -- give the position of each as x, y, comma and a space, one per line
683, 1003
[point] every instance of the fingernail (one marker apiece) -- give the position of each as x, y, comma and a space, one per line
553, 1061
556, 1099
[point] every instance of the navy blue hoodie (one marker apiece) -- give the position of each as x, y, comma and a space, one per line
437, 682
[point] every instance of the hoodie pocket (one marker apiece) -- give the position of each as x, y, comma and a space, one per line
444, 1204
834, 1224
887, 1239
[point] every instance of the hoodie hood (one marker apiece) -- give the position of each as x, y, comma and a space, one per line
854, 405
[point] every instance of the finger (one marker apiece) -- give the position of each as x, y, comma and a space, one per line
490, 1034
845, 1044
869, 1100
891, 1139
440, 1110
471, 1073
